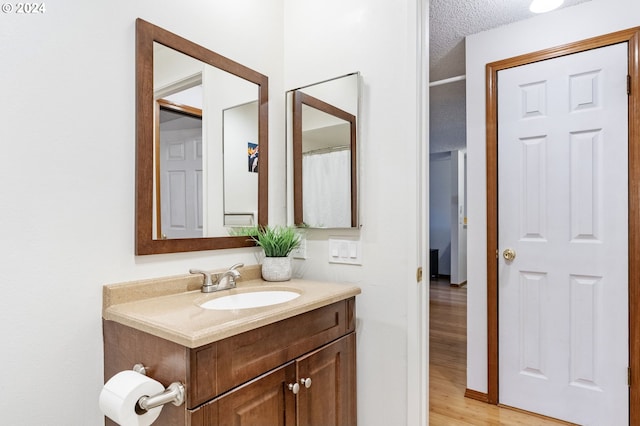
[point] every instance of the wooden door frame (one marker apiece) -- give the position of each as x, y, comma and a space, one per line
631, 36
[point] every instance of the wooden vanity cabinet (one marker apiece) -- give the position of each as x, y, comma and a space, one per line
244, 379
269, 400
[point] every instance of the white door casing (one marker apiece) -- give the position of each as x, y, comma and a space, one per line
562, 207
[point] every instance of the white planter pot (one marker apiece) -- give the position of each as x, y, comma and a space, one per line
276, 268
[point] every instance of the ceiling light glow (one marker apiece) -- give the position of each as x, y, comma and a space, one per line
542, 6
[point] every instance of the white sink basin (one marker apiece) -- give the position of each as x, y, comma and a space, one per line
253, 299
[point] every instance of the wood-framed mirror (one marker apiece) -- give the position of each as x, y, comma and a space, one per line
200, 120
324, 141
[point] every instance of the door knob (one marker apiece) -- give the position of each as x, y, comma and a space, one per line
306, 382
294, 387
509, 254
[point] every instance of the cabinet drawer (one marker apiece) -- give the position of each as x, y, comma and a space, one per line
220, 366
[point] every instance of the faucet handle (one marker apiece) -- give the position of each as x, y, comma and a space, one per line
236, 266
205, 274
235, 274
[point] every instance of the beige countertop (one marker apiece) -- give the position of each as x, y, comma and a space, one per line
169, 307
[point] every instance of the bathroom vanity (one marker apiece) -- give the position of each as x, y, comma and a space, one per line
291, 363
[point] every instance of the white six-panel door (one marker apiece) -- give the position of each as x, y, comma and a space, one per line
562, 210
181, 183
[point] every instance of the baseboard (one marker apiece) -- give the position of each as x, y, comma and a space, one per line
478, 396
463, 283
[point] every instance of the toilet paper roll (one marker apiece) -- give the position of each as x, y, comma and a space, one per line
121, 393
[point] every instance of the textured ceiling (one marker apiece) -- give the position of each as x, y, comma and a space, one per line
450, 21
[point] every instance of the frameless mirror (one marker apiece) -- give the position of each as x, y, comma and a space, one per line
323, 134
201, 123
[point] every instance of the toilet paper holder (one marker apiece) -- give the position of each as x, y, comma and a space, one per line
174, 394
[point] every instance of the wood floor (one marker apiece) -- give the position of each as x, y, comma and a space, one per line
447, 366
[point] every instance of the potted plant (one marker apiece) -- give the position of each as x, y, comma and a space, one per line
277, 242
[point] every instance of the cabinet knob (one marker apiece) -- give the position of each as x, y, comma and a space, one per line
306, 382
294, 387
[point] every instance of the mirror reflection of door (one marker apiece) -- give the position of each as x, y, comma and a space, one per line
180, 211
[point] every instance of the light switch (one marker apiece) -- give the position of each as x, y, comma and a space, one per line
353, 250
344, 246
344, 250
333, 246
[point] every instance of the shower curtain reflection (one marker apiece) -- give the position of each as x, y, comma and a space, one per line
327, 200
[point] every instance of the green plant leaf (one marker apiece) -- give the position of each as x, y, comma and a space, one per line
276, 241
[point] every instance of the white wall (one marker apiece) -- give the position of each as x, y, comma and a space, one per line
440, 187
457, 213
571, 24
67, 183
447, 231
326, 39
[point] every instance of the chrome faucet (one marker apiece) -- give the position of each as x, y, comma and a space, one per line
231, 275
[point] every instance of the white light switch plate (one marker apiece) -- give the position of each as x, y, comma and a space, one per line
343, 250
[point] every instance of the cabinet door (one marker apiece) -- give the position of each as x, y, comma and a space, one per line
266, 400
330, 400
